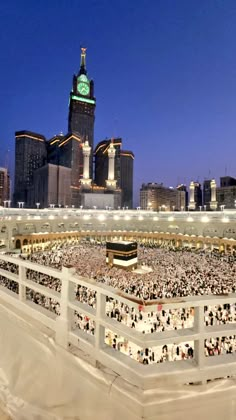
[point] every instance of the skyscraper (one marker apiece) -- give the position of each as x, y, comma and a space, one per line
82, 107
207, 193
71, 156
182, 187
195, 196
126, 177
30, 154
4, 186
60, 171
226, 193
123, 168
101, 161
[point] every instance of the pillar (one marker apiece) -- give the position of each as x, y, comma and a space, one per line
100, 314
10, 242
199, 327
86, 181
22, 288
213, 202
64, 321
192, 204
110, 182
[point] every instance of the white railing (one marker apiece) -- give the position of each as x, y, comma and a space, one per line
197, 369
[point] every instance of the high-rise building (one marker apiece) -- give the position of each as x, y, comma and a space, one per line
30, 154
195, 196
4, 186
101, 161
82, 106
227, 181
156, 197
53, 150
182, 187
123, 168
207, 193
71, 156
226, 193
51, 186
39, 174
126, 177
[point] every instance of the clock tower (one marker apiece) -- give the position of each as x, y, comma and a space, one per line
82, 107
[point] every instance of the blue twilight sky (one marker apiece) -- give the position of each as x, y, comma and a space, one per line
164, 73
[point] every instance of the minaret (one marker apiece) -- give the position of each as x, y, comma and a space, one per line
110, 182
86, 181
213, 202
192, 203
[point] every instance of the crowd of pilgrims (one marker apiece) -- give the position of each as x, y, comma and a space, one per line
175, 273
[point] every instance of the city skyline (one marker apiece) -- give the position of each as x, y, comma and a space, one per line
167, 81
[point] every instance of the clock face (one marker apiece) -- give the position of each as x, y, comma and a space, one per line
83, 88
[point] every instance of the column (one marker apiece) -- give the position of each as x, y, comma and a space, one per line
10, 243
22, 287
100, 313
213, 202
64, 321
192, 204
110, 182
86, 181
199, 328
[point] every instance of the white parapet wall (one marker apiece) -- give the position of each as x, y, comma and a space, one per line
41, 341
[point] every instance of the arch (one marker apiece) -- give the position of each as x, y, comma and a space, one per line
3, 229
14, 230
173, 228
29, 227
18, 244
190, 230
211, 231
229, 233
46, 227
25, 242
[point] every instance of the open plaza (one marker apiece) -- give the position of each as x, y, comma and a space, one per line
172, 318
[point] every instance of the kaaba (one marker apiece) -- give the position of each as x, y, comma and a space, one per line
123, 254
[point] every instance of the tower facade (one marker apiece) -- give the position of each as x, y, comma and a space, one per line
82, 107
195, 199
123, 168
156, 197
4, 185
207, 193
126, 177
30, 154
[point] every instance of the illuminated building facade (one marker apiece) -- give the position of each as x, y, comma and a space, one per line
4, 186
73, 151
183, 187
30, 154
156, 197
126, 177
226, 193
82, 107
123, 168
53, 151
207, 193
51, 186
195, 196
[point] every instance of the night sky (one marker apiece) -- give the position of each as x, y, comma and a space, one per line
164, 73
